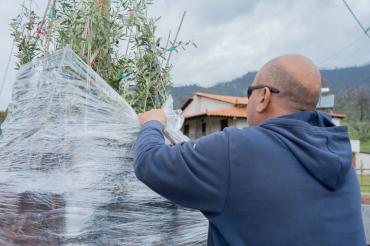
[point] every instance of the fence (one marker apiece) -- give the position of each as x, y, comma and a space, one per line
363, 175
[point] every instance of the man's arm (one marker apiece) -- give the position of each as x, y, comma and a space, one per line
194, 174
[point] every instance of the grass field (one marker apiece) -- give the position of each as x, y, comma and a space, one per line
365, 146
364, 181
365, 189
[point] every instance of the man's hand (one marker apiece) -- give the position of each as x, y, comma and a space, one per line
154, 114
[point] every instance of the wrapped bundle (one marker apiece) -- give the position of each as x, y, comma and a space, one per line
66, 175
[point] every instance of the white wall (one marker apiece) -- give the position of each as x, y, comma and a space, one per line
355, 145
195, 126
213, 124
202, 104
336, 121
366, 220
192, 128
241, 123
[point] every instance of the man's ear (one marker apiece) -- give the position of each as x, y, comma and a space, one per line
263, 100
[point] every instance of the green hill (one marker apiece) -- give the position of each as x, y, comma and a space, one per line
337, 79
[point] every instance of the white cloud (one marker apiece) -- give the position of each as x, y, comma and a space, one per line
237, 36
231, 46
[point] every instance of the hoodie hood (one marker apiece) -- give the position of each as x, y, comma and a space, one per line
322, 148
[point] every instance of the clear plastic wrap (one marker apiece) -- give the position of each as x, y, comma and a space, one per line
366, 220
66, 175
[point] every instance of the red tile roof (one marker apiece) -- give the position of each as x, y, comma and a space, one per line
222, 98
228, 99
336, 115
231, 111
238, 109
240, 112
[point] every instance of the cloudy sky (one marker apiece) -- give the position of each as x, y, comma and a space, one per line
237, 36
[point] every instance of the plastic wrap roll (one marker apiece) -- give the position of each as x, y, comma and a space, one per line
66, 175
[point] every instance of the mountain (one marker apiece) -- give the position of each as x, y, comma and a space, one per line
336, 79
351, 77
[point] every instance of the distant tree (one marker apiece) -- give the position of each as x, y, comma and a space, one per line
354, 102
362, 100
362, 129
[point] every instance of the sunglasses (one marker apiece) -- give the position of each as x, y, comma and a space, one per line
257, 87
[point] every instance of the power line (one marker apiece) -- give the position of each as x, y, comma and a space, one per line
366, 31
340, 51
359, 52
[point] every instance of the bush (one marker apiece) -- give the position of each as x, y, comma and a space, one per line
119, 43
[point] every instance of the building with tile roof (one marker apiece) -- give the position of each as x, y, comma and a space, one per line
208, 113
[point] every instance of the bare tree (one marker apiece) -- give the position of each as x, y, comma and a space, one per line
355, 102
363, 102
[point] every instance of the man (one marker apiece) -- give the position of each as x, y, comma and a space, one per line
285, 180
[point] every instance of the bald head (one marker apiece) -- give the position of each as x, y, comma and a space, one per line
297, 78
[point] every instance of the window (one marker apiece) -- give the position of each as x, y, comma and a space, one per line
224, 123
186, 130
204, 129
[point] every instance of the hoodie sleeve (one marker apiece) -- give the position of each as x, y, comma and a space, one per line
193, 174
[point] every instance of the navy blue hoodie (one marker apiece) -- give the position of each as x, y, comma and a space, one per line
287, 181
